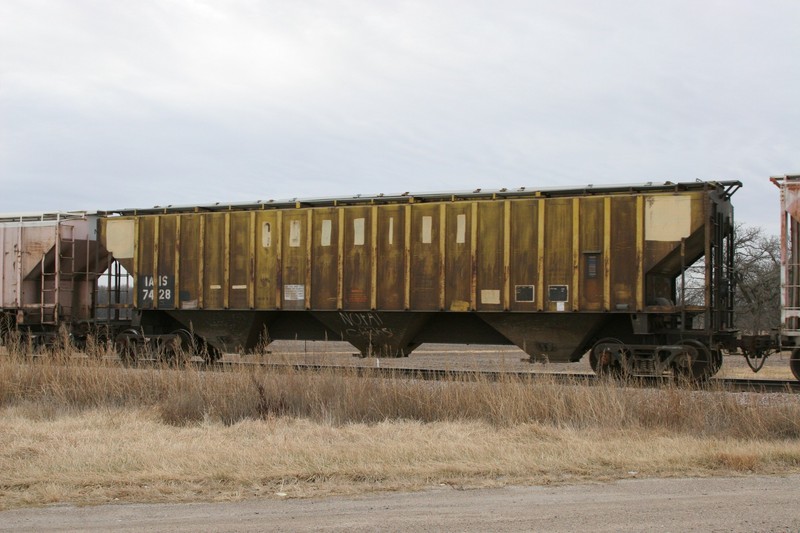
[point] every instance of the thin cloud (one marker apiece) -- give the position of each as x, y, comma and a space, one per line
105, 105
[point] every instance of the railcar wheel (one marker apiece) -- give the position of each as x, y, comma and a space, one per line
608, 361
698, 364
794, 363
185, 346
180, 349
7, 328
10, 336
210, 354
126, 345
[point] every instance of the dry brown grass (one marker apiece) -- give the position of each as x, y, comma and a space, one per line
86, 430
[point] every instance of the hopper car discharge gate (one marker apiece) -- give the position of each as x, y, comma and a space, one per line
640, 277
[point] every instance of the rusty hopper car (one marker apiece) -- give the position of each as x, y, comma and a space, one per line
49, 269
789, 333
640, 276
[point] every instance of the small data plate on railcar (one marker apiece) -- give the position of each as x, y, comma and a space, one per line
523, 293
558, 293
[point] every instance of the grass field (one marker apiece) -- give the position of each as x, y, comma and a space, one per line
85, 430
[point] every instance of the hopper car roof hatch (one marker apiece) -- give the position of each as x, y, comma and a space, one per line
726, 188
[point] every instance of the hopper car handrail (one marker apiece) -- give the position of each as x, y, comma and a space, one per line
52, 216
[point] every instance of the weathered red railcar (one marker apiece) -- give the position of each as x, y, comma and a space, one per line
50, 266
789, 334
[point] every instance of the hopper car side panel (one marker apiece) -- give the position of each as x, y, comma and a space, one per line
576, 269
591, 266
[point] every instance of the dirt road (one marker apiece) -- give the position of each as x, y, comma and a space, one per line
714, 504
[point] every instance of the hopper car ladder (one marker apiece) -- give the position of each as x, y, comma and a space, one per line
57, 282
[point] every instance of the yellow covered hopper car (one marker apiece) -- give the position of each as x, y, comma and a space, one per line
638, 276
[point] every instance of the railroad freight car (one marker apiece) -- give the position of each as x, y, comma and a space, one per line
639, 276
49, 269
789, 334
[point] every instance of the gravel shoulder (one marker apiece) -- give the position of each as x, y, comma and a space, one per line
753, 503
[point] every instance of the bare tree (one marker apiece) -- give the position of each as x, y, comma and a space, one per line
757, 276
757, 302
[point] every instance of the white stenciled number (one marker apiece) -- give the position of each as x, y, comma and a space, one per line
164, 294
147, 294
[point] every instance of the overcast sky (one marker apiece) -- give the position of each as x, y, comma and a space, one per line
109, 104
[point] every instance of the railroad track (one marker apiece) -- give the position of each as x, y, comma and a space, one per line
756, 385
759, 385
725, 384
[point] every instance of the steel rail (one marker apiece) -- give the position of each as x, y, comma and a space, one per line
431, 374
